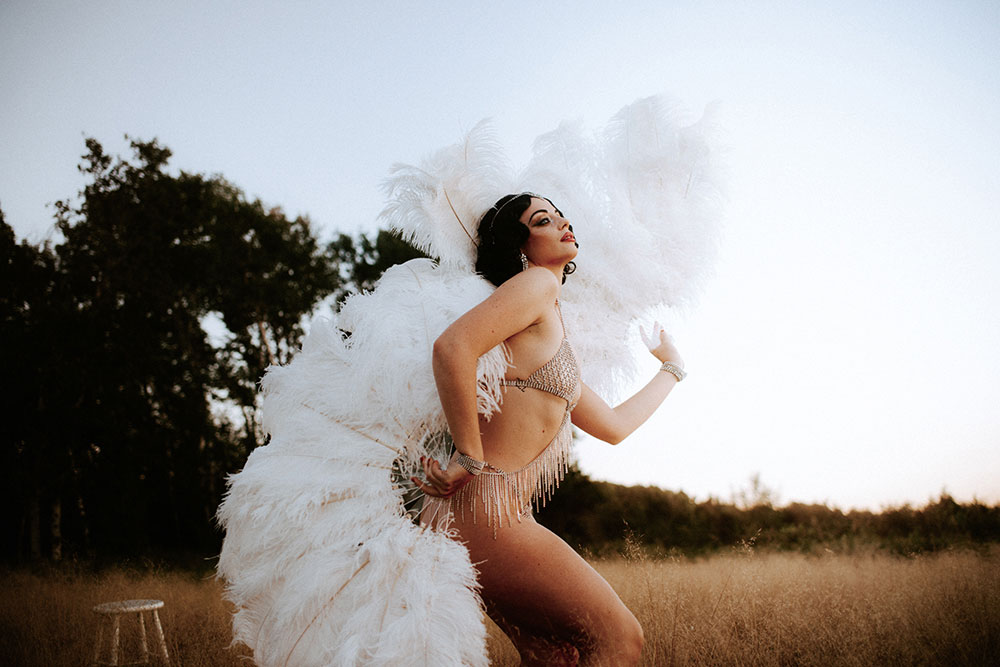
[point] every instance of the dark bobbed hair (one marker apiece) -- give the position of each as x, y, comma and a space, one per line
501, 235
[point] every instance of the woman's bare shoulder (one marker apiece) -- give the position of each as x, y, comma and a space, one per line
536, 284
517, 304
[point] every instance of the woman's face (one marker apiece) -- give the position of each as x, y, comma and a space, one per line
550, 240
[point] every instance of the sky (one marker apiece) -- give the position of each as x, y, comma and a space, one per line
846, 349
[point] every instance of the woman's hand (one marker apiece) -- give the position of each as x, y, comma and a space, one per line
660, 345
442, 483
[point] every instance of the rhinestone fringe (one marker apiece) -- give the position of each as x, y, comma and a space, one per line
510, 495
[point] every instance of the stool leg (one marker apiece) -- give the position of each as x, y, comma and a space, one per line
115, 641
142, 638
159, 634
101, 622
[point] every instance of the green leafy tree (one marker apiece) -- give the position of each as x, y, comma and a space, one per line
37, 464
130, 397
267, 274
362, 261
135, 257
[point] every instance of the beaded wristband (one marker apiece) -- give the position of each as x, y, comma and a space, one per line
676, 371
472, 465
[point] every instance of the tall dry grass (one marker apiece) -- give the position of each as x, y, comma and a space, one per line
783, 609
748, 608
744, 608
46, 619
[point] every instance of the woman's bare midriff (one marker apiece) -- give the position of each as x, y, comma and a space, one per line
520, 432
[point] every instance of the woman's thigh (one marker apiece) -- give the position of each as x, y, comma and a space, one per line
534, 581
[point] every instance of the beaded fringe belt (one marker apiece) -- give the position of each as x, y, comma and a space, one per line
511, 494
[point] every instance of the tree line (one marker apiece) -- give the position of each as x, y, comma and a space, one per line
134, 345
605, 518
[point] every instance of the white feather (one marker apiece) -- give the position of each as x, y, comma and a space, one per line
437, 206
644, 198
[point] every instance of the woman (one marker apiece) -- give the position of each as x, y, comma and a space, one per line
322, 562
554, 606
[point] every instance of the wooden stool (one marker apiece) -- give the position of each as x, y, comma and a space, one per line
111, 613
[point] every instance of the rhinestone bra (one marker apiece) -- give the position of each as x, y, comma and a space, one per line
560, 375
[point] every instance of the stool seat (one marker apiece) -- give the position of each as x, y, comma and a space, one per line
111, 613
126, 606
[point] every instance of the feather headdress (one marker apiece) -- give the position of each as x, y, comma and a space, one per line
644, 198
437, 205
321, 558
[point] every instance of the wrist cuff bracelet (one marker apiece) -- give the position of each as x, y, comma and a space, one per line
472, 465
676, 371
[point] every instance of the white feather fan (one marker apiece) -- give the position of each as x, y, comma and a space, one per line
320, 558
645, 202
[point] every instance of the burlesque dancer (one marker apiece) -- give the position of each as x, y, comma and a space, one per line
324, 559
554, 606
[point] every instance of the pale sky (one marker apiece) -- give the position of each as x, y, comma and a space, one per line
847, 348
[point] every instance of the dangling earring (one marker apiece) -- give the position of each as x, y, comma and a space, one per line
524, 262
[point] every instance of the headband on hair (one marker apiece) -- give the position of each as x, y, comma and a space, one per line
512, 198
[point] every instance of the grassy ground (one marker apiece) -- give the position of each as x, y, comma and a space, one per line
739, 609
789, 609
47, 619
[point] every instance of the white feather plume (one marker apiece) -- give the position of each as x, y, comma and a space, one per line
644, 198
437, 205
325, 569
320, 558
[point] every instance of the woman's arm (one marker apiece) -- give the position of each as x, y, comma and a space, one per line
613, 425
513, 307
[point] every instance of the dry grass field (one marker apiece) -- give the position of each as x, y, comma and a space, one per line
745, 608
789, 609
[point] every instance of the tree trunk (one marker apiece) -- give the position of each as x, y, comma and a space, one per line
84, 528
267, 357
56, 530
34, 529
